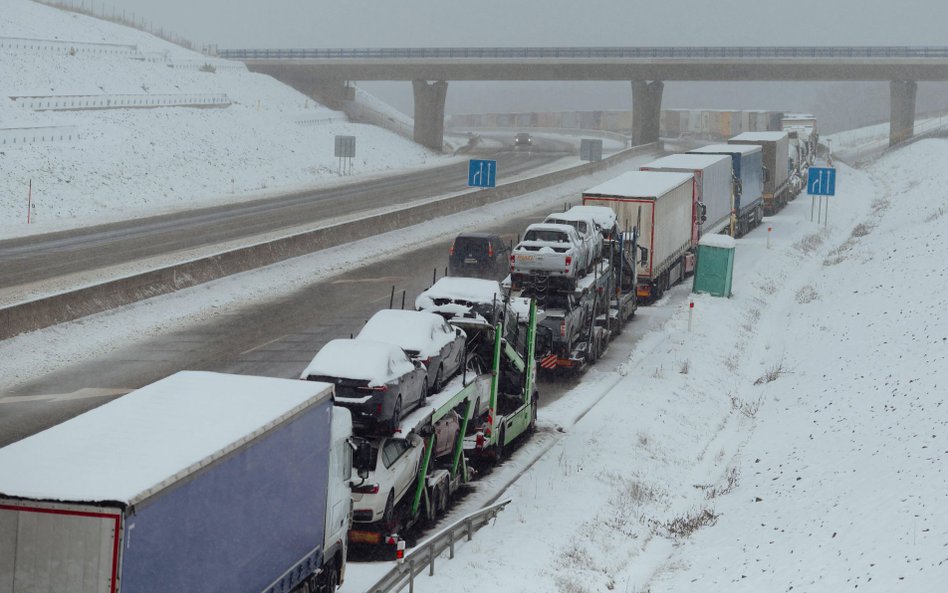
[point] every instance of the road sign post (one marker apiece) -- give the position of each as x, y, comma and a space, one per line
345, 152
821, 181
481, 173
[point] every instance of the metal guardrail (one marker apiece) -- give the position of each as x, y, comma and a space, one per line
693, 53
423, 556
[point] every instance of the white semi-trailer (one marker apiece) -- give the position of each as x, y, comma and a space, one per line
660, 206
713, 187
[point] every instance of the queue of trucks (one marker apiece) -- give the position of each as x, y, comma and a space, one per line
157, 491
658, 216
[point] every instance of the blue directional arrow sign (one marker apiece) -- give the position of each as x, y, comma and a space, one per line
821, 181
481, 173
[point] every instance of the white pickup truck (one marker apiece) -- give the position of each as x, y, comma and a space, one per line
587, 228
553, 250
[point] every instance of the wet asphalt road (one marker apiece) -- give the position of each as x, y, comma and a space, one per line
265, 338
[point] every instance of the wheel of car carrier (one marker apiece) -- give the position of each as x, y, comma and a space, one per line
396, 414
534, 403
500, 453
439, 378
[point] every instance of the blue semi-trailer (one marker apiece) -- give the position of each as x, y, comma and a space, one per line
748, 165
200, 482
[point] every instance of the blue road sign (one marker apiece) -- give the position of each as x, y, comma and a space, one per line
481, 173
821, 181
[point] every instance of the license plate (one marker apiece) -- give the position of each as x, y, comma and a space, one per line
470, 260
525, 258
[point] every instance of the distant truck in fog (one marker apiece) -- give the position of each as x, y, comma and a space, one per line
776, 159
747, 165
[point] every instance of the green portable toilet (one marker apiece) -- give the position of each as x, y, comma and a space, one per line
715, 267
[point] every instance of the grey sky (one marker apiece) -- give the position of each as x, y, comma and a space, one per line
400, 23
432, 23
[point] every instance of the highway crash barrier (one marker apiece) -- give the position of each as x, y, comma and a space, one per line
74, 304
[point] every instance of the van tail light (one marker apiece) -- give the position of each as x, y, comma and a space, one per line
490, 250
563, 328
451, 251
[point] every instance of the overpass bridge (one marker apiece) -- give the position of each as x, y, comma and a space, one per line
323, 73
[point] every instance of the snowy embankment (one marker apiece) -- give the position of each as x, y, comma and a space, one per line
793, 439
129, 162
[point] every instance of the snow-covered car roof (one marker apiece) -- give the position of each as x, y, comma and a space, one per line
640, 184
461, 291
423, 332
135, 445
360, 360
571, 215
604, 216
552, 227
463, 300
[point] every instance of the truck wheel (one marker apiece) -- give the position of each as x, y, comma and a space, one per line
331, 579
499, 452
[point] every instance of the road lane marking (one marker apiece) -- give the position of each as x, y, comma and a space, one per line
264, 344
84, 393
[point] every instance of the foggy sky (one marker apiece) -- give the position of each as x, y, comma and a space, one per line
576, 23
432, 23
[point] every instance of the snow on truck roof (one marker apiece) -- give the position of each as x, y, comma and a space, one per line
640, 184
359, 360
136, 445
727, 148
604, 216
758, 137
686, 161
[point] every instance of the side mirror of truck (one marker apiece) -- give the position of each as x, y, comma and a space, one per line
766, 175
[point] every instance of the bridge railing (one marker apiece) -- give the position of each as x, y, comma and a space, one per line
686, 53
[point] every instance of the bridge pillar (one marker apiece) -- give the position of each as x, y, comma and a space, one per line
646, 111
902, 119
429, 113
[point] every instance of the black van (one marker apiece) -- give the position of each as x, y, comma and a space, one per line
479, 255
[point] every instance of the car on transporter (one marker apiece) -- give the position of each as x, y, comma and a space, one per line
425, 337
376, 381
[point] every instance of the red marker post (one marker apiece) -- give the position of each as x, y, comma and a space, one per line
691, 311
769, 229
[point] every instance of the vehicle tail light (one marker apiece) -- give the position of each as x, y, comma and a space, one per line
490, 250
479, 440
378, 410
426, 361
513, 259
366, 489
563, 328
569, 260
451, 250
382, 388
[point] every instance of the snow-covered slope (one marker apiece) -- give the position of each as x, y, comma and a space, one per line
793, 440
128, 162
